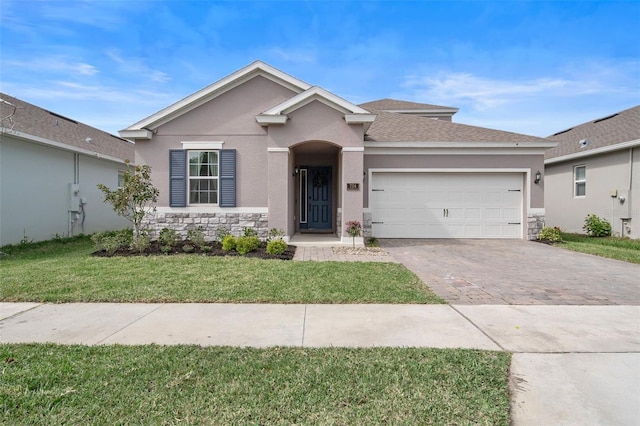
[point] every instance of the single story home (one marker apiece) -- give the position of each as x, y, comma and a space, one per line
49, 168
595, 169
264, 149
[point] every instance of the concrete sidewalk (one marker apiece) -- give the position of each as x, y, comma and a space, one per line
571, 364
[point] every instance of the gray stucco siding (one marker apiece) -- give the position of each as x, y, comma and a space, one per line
34, 191
604, 173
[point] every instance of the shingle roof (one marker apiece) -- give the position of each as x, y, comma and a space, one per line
395, 104
623, 126
24, 117
394, 127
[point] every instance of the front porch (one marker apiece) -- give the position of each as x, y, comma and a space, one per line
312, 185
323, 240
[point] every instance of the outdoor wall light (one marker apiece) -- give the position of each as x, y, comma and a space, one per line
538, 177
296, 171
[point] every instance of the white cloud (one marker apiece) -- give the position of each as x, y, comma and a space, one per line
55, 63
299, 55
485, 93
137, 68
482, 93
105, 107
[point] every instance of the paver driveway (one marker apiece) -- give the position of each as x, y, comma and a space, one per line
516, 272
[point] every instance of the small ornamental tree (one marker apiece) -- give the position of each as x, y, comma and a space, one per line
353, 228
134, 197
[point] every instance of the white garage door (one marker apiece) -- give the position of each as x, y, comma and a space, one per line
446, 205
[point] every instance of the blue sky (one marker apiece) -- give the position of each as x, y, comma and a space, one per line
532, 67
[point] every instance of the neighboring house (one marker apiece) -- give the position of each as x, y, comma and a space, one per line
49, 168
595, 169
261, 148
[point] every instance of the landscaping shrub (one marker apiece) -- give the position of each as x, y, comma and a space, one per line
221, 233
249, 232
275, 234
229, 243
276, 247
596, 227
248, 244
142, 242
196, 236
550, 234
169, 237
112, 241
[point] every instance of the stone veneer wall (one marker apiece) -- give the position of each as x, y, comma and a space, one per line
339, 223
366, 225
210, 222
535, 223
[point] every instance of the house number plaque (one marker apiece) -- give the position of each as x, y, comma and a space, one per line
353, 187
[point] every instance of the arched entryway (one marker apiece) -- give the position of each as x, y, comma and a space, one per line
317, 200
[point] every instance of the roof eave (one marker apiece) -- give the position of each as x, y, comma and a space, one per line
460, 144
266, 120
141, 134
595, 151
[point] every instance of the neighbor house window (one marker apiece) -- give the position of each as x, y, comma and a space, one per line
120, 178
579, 181
203, 177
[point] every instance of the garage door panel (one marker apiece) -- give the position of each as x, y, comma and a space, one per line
447, 205
472, 213
473, 197
493, 231
512, 214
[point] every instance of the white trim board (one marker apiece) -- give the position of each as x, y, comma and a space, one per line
213, 145
212, 209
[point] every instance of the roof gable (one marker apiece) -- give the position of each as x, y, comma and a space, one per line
140, 130
614, 131
278, 114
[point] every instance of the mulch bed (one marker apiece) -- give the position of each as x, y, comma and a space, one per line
215, 249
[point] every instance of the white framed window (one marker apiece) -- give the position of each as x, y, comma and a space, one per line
203, 171
580, 181
120, 178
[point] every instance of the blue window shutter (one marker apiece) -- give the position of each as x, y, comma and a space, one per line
227, 178
177, 178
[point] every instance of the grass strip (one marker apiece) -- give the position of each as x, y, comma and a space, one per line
624, 249
66, 272
104, 385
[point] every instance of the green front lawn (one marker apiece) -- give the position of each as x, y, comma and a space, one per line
65, 271
54, 385
614, 248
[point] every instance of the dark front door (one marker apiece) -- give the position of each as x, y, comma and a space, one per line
319, 192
